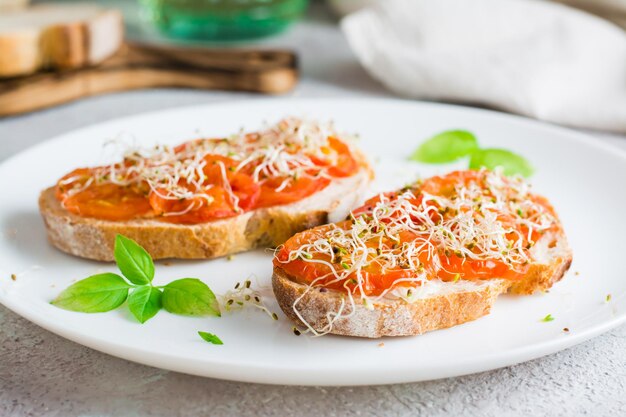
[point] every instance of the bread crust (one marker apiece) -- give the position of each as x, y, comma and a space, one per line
396, 317
542, 277
388, 318
94, 238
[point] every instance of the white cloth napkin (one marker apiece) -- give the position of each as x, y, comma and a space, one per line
535, 58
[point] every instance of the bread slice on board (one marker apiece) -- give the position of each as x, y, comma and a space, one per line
267, 227
57, 36
12, 5
438, 305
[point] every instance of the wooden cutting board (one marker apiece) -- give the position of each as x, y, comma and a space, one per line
55, 53
136, 67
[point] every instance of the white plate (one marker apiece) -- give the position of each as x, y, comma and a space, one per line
583, 178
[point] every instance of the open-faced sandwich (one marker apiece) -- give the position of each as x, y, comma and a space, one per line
208, 197
429, 256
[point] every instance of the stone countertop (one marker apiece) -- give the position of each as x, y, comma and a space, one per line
42, 374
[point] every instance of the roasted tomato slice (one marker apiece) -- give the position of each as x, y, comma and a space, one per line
340, 163
241, 184
272, 194
346, 165
246, 190
102, 201
298, 268
108, 202
375, 280
454, 268
195, 210
76, 178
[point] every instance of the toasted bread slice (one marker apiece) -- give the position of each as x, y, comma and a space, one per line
94, 239
432, 255
437, 305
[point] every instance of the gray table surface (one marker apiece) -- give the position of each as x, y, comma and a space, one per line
42, 374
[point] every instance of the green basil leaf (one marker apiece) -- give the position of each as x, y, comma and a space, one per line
510, 162
190, 297
133, 260
95, 294
211, 338
144, 302
446, 147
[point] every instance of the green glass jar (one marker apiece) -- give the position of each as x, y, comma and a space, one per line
222, 20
